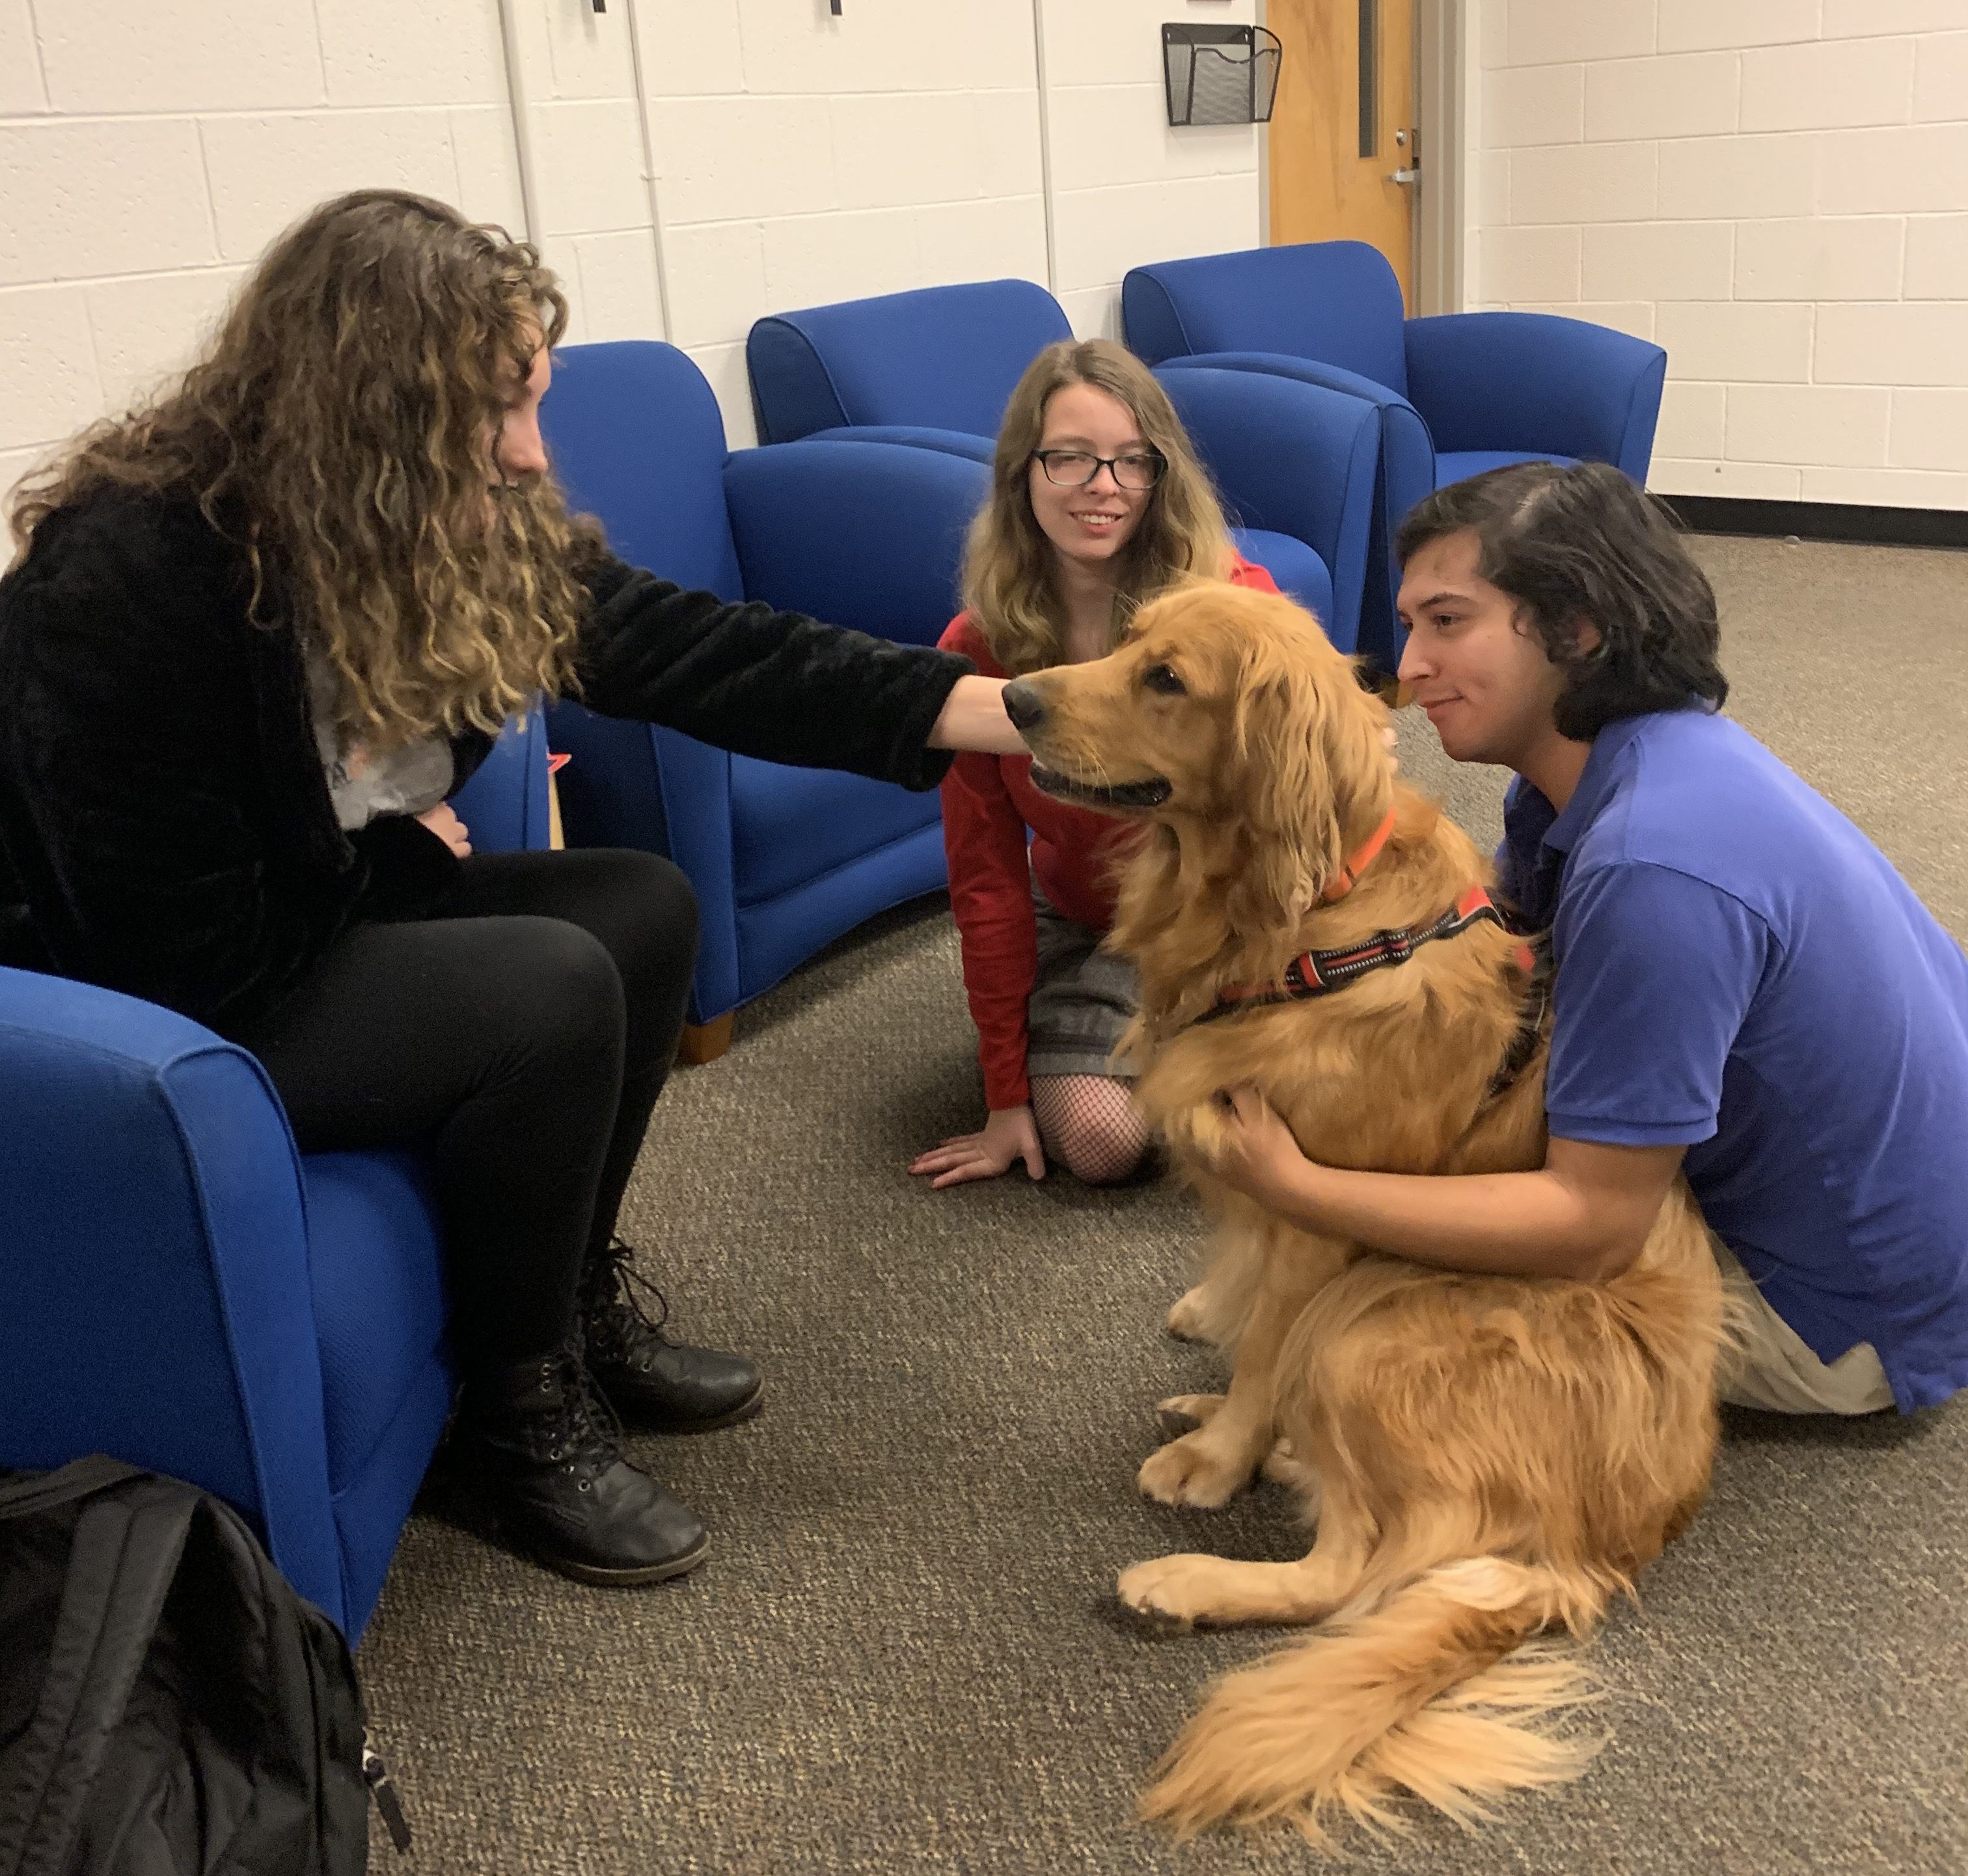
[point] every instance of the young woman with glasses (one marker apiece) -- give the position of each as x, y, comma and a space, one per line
1098, 504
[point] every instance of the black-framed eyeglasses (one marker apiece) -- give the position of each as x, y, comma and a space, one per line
1074, 468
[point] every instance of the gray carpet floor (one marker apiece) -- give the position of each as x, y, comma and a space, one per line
903, 1653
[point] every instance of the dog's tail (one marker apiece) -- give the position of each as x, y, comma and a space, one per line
1416, 1694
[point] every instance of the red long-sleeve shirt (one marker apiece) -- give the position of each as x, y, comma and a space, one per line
989, 803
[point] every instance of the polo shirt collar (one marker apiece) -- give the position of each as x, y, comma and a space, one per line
1596, 783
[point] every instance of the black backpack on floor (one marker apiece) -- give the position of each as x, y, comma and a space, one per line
168, 1705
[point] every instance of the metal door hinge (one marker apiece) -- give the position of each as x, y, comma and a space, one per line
1410, 141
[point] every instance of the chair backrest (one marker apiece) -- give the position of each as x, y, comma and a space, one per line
1336, 301
942, 357
638, 440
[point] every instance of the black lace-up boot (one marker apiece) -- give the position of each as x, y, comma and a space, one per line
547, 1452
666, 1386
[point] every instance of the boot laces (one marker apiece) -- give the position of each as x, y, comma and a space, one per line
586, 1430
619, 1287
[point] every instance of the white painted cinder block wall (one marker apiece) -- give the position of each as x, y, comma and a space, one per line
1127, 190
149, 149
593, 216
1776, 191
800, 158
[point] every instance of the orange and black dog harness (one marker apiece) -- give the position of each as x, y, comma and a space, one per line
1320, 973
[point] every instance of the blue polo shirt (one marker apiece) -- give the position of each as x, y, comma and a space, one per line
1741, 972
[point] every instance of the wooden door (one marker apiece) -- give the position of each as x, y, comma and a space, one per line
1343, 124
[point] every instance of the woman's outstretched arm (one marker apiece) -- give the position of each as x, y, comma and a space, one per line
781, 686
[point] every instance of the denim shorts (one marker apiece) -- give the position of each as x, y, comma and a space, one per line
1083, 999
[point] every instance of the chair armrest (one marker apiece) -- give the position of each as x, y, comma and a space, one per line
1293, 457
1150, 320
1408, 449
861, 534
1405, 475
505, 803
639, 784
1536, 383
155, 1301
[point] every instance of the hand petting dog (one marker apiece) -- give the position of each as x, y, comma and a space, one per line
1256, 1153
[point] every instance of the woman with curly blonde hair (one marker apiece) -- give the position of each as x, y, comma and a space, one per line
1098, 504
256, 634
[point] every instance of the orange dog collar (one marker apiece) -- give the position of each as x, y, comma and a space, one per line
1358, 863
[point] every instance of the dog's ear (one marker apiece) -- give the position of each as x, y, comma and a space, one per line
1307, 747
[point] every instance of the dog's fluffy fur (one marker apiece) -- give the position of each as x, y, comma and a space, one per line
1485, 1457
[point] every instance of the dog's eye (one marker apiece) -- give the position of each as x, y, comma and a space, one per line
1162, 678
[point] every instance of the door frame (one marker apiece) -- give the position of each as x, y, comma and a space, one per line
1443, 75
1442, 78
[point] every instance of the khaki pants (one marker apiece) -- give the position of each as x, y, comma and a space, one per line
1773, 1367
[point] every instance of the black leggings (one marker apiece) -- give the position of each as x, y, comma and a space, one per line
518, 1036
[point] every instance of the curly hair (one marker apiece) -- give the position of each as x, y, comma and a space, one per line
1584, 543
339, 430
1008, 579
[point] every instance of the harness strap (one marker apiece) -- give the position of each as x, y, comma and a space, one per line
1319, 973
1535, 955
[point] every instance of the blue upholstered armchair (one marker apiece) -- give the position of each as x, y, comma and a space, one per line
1456, 394
181, 1289
935, 368
784, 860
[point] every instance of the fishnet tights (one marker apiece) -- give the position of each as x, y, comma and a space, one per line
1089, 1124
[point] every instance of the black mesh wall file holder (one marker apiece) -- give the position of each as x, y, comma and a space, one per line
1219, 74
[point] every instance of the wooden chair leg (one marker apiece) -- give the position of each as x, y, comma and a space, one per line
705, 1041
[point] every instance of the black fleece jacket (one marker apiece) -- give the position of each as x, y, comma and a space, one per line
165, 825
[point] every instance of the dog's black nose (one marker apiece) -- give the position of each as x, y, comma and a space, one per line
1022, 705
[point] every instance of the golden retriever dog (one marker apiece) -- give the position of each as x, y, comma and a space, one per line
1484, 1457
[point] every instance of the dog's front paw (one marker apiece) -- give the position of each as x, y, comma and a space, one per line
1195, 1470
1172, 1592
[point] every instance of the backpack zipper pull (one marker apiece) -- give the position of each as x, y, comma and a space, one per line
383, 1795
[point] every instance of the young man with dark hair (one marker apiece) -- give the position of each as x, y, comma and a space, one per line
1746, 992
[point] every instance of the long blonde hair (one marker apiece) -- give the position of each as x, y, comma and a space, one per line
1009, 585
338, 428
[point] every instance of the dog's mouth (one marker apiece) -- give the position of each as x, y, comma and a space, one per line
1151, 793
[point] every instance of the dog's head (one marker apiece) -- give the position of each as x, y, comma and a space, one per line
1222, 709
